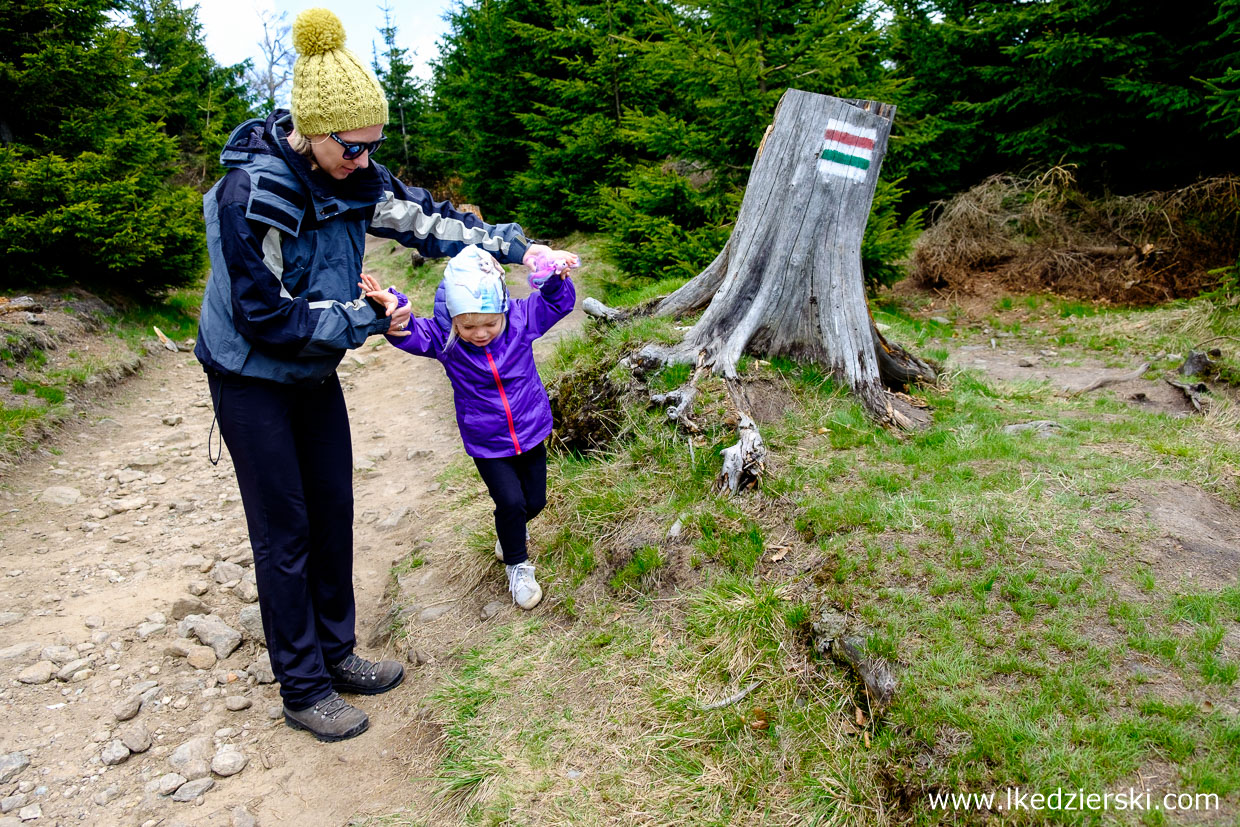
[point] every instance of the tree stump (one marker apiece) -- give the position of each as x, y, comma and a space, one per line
788, 281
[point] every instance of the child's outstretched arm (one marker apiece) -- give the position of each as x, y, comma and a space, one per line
421, 337
556, 294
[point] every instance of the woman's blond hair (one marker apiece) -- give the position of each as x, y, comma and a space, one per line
474, 318
302, 146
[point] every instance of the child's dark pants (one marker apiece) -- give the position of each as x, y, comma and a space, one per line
291, 449
519, 487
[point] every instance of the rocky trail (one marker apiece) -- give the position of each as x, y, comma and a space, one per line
134, 684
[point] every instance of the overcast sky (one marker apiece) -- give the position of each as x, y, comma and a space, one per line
232, 28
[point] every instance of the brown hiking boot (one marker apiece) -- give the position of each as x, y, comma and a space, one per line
331, 719
366, 677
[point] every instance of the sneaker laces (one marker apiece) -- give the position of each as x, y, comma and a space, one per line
522, 574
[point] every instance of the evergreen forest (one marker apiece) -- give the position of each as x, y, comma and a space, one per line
638, 119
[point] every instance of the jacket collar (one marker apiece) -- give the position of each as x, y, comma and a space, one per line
328, 196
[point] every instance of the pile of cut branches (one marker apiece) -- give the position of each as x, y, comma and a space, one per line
1044, 234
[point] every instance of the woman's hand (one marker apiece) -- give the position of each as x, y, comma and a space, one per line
399, 325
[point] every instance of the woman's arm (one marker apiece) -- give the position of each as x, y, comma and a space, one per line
263, 311
412, 217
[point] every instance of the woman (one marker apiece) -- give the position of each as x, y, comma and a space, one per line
286, 230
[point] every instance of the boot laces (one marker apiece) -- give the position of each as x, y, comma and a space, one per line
332, 706
356, 665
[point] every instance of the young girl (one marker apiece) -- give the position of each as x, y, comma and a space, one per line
484, 341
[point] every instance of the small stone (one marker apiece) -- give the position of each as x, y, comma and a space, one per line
236, 703
252, 623
419, 657
107, 795
193, 758
275, 713
433, 613
186, 606
127, 504
201, 657
170, 783
1026, 362
179, 648
93, 622
19, 651
59, 655
72, 668
261, 670
114, 753
940, 320
60, 495
30, 812
190, 790
227, 762
493, 608
197, 588
247, 590
136, 738
226, 572
149, 629
127, 708
393, 519
241, 818
211, 631
10, 803
11, 766
41, 672
174, 419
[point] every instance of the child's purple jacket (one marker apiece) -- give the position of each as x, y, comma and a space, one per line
501, 405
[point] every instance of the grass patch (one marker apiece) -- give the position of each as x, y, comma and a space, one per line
46, 379
1004, 575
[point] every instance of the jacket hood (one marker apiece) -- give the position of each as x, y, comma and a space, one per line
267, 137
256, 136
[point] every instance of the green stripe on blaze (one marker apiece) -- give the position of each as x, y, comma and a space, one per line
842, 158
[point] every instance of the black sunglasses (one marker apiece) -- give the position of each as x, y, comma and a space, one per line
353, 150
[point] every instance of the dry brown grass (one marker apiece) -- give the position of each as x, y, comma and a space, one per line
1043, 234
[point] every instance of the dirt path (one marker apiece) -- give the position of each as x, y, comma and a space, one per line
119, 539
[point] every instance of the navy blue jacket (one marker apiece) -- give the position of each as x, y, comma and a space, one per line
286, 244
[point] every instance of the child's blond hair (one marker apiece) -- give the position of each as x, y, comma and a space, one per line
474, 318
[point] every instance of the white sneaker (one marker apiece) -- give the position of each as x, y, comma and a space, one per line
499, 550
526, 592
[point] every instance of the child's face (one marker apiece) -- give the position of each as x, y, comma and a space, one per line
479, 332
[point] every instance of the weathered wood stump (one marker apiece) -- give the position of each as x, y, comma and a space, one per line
788, 282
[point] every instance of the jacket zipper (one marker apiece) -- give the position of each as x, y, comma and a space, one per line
503, 397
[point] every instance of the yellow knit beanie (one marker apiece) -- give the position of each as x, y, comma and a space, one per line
333, 91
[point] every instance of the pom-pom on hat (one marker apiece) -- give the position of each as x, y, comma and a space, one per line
474, 283
333, 91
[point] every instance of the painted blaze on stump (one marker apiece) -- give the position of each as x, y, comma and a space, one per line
789, 282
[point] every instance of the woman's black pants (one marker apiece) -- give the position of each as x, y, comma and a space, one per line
293, 456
